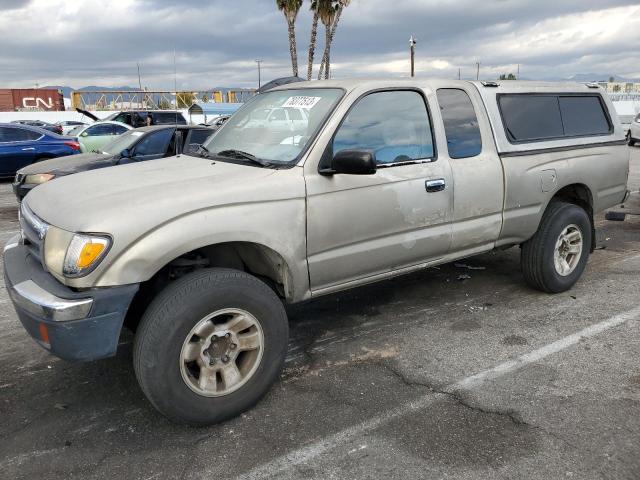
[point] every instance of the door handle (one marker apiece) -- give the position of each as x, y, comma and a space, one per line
435, 185
28, 149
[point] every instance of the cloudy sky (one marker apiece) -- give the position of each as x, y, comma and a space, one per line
98, 42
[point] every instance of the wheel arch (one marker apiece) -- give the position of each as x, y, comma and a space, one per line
578, 194
254, 258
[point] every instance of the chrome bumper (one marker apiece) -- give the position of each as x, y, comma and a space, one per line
37, 301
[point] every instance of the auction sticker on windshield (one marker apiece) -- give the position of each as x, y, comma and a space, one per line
301, 102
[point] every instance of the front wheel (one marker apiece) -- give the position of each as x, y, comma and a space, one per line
555, 257
210, 346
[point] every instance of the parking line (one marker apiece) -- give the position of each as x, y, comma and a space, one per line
282, 464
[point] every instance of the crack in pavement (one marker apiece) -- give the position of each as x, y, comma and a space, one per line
513, 416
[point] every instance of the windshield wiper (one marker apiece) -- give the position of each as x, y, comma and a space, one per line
243, 156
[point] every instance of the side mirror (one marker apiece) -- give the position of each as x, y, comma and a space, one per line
192, 148
126, 153
84, 134
353, 162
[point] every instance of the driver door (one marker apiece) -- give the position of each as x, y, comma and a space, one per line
364, 227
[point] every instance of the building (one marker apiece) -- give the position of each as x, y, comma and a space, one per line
620, 87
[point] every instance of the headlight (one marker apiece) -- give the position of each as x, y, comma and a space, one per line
38, 178
84, 253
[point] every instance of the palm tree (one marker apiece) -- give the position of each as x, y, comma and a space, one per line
290, 9
315, 4
326, 12
333, 17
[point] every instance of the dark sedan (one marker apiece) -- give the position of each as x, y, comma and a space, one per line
140, 144
52, 127
22, 145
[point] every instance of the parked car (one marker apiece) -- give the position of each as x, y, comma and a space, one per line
633, 135
94, 137
140, 144
138, 118
22, 145
68, 125
217, 122
198, 253
42, 124
279, 119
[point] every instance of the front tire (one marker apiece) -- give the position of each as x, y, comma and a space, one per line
555, 257
210, 345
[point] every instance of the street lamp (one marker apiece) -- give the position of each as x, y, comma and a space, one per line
412, 49
259, 62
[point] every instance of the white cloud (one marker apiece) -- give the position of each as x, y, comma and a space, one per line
216, 42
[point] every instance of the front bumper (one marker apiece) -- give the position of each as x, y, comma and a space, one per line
73, 325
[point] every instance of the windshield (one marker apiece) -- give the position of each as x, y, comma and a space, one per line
272, 127
122, 142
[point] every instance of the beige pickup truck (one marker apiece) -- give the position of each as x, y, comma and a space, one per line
197, 253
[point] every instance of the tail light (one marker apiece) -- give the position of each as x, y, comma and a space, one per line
73, 145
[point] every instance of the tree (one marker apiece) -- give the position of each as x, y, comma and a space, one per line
612, 79
330, 16
290, 9
511, 76
315, 5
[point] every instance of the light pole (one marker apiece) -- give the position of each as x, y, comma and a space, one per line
412, 50
477, 70
259, 85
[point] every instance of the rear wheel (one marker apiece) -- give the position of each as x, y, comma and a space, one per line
210, 346
555, 257
630, 141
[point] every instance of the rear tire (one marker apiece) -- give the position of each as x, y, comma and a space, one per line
555, 257
630, 140
192, 314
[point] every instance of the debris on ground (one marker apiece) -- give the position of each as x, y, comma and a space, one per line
463, 277
468, 267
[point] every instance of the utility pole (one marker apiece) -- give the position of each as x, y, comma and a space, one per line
458, 73
477, 70
412, 50
518, 74
259, 80
139, 79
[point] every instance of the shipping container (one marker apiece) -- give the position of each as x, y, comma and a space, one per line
31, 99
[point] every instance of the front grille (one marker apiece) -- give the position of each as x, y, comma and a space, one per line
33, 231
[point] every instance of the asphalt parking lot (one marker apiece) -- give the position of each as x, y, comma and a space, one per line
454, 372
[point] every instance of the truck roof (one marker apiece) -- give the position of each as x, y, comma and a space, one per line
489, 93
381, 82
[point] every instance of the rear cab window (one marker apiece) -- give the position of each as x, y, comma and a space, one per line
531, 117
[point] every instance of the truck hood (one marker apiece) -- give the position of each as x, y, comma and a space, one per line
72, 164
141, 196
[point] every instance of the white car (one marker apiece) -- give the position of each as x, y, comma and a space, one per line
633, 135
68, 125
93, 137
280, 118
